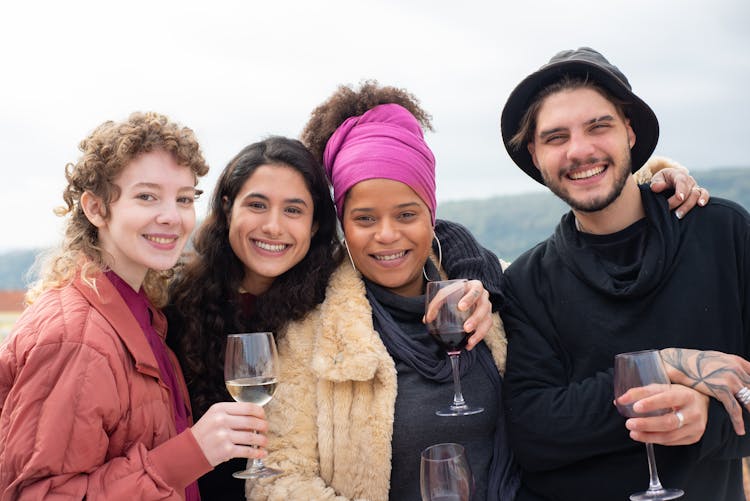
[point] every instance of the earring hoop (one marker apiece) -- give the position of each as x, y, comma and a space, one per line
440, 256
346, 246
440, 250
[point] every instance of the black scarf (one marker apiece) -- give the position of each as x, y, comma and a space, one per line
657, 258
462, 257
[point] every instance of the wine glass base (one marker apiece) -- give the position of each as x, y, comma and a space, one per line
657, 495
257, 473
462, 410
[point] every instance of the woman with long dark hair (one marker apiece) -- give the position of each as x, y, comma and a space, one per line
262, 258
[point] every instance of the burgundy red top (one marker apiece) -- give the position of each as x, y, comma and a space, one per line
140, 307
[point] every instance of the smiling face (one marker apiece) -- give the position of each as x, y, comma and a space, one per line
581, 146
149, 223
389, 234
270, 224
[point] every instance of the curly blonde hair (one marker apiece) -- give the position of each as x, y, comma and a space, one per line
106, 152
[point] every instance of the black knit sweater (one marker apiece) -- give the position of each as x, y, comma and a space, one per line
567, 312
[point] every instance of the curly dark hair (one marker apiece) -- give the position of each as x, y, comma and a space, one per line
347, 102
204, 297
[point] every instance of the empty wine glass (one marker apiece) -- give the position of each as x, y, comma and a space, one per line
445, 474
251, 369
448, 330
644, 369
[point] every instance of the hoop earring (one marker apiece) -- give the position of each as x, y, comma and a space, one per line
440, 250
349, 254
440, 256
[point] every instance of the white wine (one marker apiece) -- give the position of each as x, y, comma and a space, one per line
256, 390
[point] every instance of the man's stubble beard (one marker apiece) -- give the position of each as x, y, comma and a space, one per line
595, 204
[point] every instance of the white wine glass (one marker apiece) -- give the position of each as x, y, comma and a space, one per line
644, 369
251, 369
445, 474
448, 330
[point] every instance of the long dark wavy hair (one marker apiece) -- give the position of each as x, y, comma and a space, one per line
204, 297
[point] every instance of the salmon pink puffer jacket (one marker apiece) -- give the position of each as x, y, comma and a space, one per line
83, 412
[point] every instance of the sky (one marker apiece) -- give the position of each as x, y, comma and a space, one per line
236, 71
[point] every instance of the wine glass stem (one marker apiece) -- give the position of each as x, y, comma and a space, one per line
458, 398
653, 483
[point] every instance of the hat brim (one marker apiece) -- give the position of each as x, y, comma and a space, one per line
642, 118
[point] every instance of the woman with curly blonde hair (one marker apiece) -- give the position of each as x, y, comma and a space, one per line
92, 403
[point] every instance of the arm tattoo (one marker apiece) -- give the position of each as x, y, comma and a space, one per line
709, 372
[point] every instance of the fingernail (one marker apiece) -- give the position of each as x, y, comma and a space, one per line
701, 201
681, 196
678, 214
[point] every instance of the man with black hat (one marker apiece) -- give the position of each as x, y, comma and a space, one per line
619, 274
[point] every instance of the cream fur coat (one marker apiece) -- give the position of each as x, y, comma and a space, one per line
331, 420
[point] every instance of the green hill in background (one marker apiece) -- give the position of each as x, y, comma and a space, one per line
511, 224
508, 224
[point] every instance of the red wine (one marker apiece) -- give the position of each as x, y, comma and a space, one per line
451, 341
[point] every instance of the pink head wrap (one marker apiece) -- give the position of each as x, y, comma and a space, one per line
386, 142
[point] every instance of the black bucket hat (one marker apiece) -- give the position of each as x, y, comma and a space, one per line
588, 63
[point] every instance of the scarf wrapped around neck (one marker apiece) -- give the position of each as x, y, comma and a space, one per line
656, 261
463, 257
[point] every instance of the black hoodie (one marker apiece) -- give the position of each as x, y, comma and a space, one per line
574, 301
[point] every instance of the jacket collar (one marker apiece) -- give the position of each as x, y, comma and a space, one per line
108, 302
347, 348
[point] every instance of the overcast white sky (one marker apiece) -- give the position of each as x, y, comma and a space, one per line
237, 71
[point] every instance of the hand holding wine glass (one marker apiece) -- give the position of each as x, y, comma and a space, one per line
447, 328
645, 371
251, 369
445, 474
231, 430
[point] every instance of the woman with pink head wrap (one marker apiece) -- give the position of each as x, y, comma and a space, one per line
361, 381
